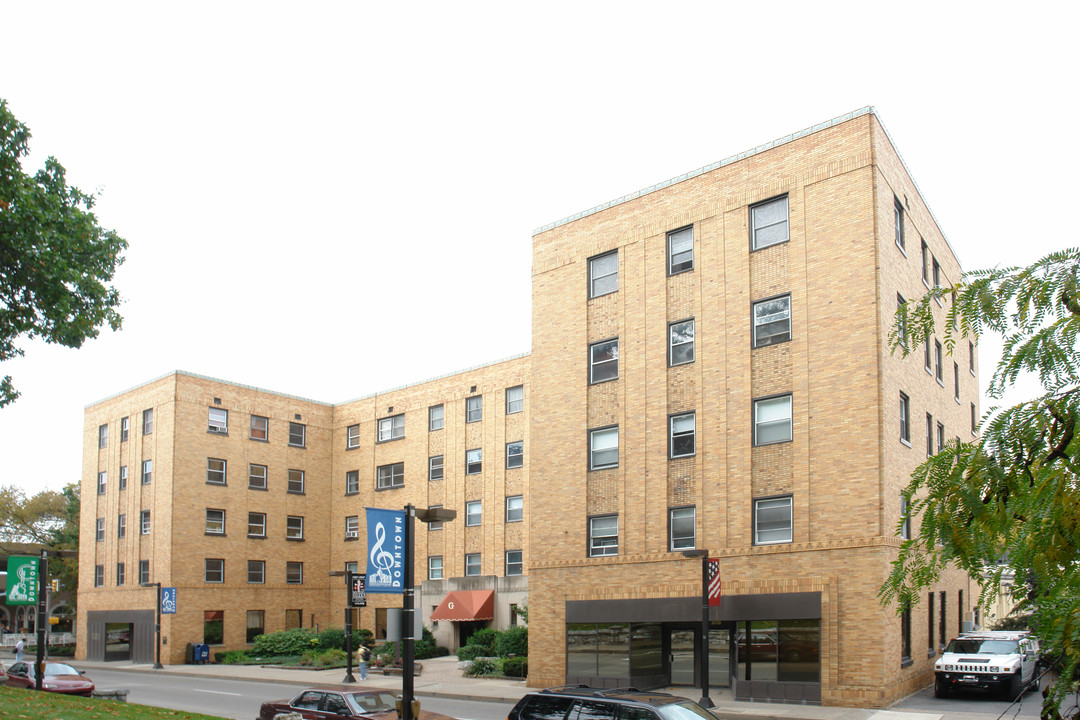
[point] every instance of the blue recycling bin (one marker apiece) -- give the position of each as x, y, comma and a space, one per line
202, 653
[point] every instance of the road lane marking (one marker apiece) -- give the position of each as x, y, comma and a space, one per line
216, 692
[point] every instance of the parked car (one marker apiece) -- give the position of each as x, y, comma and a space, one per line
59, 678
1001, 660
582, 701
341, 703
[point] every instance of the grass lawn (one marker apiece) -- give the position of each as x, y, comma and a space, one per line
20, 704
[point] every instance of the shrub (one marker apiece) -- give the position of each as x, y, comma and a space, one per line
332, 638
471, 652
362, 636
426, 647
285, 642
483, 667
515, 667
484, 637
512, 641
330, 658
234, 657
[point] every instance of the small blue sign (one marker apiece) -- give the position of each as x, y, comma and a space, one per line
386, 551
168, 601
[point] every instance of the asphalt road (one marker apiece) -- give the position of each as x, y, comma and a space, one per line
971, 702
240, 699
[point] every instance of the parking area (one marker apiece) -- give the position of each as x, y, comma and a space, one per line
975, 702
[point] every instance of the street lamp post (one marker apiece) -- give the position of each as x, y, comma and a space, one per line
43, 609
157, 625
348, 623
703, 663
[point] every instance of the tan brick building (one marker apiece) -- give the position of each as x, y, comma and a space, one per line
710, 370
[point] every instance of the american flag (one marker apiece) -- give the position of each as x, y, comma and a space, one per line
714, 582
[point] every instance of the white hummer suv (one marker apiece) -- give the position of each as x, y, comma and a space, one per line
991, 660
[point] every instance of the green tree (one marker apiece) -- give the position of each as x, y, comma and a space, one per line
36, 519
1011, 500
55, 260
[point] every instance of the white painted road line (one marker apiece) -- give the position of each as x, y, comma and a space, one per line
216, 692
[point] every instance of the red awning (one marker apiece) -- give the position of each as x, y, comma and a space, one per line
466, 605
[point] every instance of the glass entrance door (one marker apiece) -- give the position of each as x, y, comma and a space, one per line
681, 656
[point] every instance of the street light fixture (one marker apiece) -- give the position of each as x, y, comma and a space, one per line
703, 663
348, 624
157, 625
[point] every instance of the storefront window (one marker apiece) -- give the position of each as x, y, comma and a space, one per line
613, 650
581, 649
799, 651
646, 649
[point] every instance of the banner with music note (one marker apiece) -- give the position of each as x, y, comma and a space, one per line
386, 551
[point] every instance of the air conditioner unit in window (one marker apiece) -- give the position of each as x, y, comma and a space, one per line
352, 533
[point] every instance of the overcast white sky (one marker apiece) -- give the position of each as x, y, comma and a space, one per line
329, 199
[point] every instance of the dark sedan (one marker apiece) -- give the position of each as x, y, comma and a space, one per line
58, 678
323, 703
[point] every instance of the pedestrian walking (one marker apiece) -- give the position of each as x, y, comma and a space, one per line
19, 646
364, 658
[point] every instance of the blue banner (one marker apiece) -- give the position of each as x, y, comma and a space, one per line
386, 550
168, 601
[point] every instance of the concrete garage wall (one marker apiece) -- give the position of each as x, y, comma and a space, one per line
142, 633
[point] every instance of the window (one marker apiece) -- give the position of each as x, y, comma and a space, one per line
930, 624
681, 528
296, 482
294, 527
515, 399
256, 525
119, 574
472, 564
898, 222
147, 471
352, 437
473, 462
435, 417
769, 223
772, 521
257, 477
680, 249
123, 477
905, 419
937, 363
604, 361
148, 421
603, 274
215, 471
434, 567
103, 436
926, 356
121, 526
971, 357
680, 342
144, 522
215, 522
218, 421
214, 570
260, 428
681, 433
473, 513
604, 448
144, 572
515, 508
102, 482
256, 624
294, 573
99, 575
514, 565
943, 636
901, 329
100, 530
124, 427
905, 527
956, 381
772, 321
435, 467
437, 524
929, 434
213, 627
256, 571
936, 269
297, 434
603, 535
392, 428
974, 420
352, 527
940, 437
474, 409
515, 454
925, 263
352, 482
772, 420
390, 476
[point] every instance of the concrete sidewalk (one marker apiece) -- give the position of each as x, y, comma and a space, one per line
441, 677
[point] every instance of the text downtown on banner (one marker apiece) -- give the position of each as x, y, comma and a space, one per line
386, 551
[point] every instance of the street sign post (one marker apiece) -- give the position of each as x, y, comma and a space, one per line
357, 590
168, 601
22, 580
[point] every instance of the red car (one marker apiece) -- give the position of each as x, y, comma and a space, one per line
341, 702
59, 678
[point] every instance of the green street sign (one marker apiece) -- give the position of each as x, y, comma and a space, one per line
22, 580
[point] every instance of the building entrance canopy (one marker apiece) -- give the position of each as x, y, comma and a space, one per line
462, 605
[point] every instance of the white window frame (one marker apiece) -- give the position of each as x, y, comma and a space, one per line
515, 454
102, 436
756, 227
436, 418
435, 567
601, 528
297, 435
474, 461
144, 572
905, 418
435, 524
474, 408
515, 508
125, 426
294, 572
123, 477
599, 370
938, 372
255, 480
474, 513
144, 522
391, 428
217, 421
102, 482
677, 431
905, 522
259, 427
473, 565
99, 530
352, 437
352, 482
760, 320
148, 421
898, 225
119, 574
293, 476
215, 521
677, 343
217, 571
436, 469
213, 472
147, 472
388, 477
761, 406
779, 536
604, 435
259, 525
121, 526
99, 576
515, 560
600, 277
294, 527
515, 399
680, 236
352, 527
259, 568
681, 541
